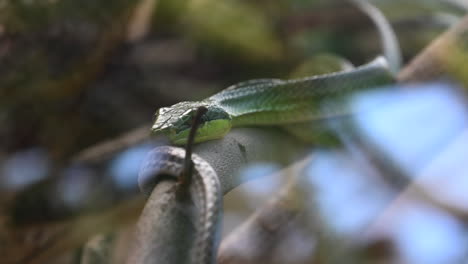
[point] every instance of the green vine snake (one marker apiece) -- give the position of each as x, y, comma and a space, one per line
272, 102
260, 102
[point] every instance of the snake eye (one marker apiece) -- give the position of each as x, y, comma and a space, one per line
158, 123
184, 122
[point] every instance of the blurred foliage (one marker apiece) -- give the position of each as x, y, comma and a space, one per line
20, 16
235, 26
51, 51
321, 64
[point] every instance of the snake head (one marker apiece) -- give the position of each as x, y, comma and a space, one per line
175, 122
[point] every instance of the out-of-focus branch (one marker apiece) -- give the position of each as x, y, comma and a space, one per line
106, 149
443, 58
259, 238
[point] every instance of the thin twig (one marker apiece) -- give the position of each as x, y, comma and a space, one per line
186, 177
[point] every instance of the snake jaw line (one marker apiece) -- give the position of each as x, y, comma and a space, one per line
176, 121
215, 129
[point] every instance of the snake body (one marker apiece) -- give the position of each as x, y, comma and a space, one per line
205, 191
272, 102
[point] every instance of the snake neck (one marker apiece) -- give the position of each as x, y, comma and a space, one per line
275, 102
